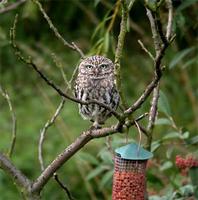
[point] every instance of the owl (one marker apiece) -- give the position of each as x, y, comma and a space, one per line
96, 81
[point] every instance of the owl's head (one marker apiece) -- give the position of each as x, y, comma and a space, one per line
96, 67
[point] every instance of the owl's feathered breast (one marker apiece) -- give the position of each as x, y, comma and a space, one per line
95, 88
102, 90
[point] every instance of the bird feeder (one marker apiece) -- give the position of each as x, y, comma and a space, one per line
129, 180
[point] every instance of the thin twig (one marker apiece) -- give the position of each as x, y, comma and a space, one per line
152, 116
12, 6
18, 177
153, 109
116, 10
159, 28
170, 19
64, 187
14, 125
109, 145
44, 130
140, 136
119, 50
60, 67
146, 50
72, 46
131, 4
155, 34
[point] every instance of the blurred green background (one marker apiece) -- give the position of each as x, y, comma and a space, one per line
88, 174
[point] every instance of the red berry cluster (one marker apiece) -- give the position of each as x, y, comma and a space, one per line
187, 162
128, 185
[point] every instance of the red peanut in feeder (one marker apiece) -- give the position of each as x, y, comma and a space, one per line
129, 180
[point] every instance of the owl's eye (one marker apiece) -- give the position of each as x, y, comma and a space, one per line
104, 66
89, 66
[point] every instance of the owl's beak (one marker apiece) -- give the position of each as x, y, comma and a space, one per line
95, 71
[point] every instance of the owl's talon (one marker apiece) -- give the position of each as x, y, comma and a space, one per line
96, 125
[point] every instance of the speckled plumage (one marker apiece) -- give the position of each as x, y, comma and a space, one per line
96, 81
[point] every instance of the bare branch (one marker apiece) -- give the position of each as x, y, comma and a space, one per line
140, 136
119, 50
144, 96
116, 10
170, 19
18, 177
14, 127
43, 132
155, 34
12, 6
146, 50
152, 116
49, 82
153, 109
72, 46
56, 178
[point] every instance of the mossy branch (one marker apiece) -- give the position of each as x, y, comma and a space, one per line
119, 51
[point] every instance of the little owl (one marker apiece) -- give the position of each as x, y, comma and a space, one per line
96, 81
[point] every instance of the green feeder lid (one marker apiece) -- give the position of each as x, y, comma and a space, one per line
133, 152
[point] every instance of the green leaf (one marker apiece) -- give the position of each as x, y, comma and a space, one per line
106, 42
171, 135
185, 4
89, 158
107, 177
98, 170
155, 145
96, 2
185, 135
190, 62
2, 34
151, 5
163, 104
179, 56
30, 11
193, 140
163, 121
178, 135
169, 151
166, 165
106, 156
194, 175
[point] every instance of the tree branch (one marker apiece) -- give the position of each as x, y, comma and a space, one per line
56, 178
18, 177
153, 109
12, 6
72, 46
43, 132
170, 19
14, 126
78, 144
119, 50
146, 50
